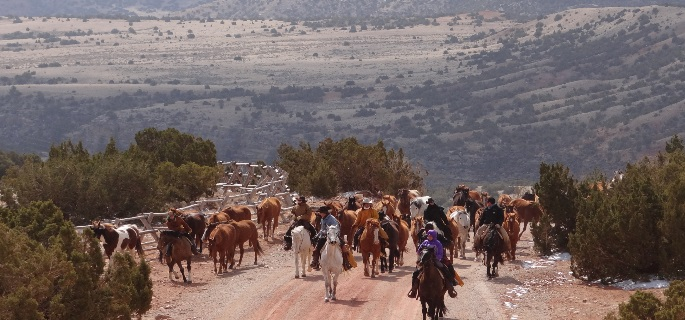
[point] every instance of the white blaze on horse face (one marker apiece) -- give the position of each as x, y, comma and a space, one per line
375, 236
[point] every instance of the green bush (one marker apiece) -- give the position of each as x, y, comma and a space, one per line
644, 305
559, 200
346, 165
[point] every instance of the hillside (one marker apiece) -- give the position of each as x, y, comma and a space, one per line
470, 97
288, 10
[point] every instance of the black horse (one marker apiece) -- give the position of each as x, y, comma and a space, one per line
392, 229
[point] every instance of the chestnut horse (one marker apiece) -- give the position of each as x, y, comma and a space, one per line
238, 213
222, 242
268, 212
213, 221
431, 286
416, 226
370, 245
405, 196
527, 211
180, 251
391, 210
512, 225
402, 241
247, 232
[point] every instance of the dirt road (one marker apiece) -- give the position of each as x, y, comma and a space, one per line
529, 288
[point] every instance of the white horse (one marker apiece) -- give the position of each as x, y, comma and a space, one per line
331, 262
463, 223
302, 248
417, 206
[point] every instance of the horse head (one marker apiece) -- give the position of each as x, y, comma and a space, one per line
427, 255
333, 234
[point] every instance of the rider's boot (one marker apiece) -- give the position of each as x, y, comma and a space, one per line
168, 250
288, 243
414, 288
450, 289
346, 263
315, 260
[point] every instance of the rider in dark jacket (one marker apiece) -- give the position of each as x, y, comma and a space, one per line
436, 214
494, 215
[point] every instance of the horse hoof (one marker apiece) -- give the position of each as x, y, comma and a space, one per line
304, 276
333, 298
373, 275
390, 271
297, 277
325, 299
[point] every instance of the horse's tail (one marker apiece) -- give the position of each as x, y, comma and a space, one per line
257, 248
139, 246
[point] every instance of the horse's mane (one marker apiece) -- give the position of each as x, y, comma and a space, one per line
108, 226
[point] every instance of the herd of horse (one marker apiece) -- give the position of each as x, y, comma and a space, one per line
403, 218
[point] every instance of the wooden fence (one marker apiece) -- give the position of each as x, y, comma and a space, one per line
242, 184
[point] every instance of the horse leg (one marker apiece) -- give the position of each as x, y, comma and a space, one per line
183, 274
374, 262
190, 274
172, 272
215, 261
297, 263
335, 286
424, 310
242, 250
327, 283
525, 223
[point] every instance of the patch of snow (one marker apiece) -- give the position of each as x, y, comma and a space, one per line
653, 283
560, 256
509, 305
536, 264
518, 291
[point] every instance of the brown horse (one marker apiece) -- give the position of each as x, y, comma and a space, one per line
180, 251
416, 227
197, 223
512, 225
405, 196
213, 221
402, 241
238, 213
503, 200
267, 215
247, 231
528, 211
222, 242
492, 247
369, 242
345, 217
431, 286
391, 210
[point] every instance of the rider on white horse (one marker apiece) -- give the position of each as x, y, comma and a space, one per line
326, 220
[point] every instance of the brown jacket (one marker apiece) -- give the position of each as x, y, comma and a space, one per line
177, 223
302, 212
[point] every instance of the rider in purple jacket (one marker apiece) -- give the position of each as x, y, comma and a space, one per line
432, 241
